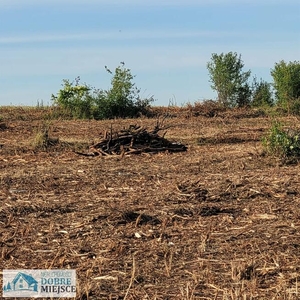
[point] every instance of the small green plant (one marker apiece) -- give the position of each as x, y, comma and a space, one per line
282, 143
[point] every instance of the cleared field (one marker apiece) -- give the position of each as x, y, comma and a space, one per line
220, 221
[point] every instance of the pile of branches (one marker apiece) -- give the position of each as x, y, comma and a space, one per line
134, 140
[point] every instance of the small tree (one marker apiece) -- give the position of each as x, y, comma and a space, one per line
229, 80
261, 93
286, 77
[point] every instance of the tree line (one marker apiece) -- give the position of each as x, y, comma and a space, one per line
227, 77
234, 89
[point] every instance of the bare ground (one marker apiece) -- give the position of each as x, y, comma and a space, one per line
220, 221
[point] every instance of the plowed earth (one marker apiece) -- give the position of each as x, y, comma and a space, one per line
220, 221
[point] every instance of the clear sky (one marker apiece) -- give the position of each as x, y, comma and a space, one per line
165, 43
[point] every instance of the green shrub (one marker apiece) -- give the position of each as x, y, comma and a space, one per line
75, 99
261, 94
282, 143
120, 101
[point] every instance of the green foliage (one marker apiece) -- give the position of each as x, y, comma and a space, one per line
75, 99
243, 95
261, 93
282, 143
121, 100
286, 77
229, 80
294, 107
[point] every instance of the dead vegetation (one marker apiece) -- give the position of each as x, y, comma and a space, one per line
219, 221
134, 140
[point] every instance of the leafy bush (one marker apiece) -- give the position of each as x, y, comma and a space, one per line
75, 99
121, 100
282, 143
243, 95
261, 93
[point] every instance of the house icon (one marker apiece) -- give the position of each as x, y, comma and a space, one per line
22, 282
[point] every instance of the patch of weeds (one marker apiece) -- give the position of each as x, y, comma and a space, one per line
42, 139
282, 143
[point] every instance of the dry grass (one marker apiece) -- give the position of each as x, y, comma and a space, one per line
220, 221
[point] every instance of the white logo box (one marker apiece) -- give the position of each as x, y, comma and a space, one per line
39, 283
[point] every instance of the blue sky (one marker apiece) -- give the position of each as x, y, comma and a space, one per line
165, 43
